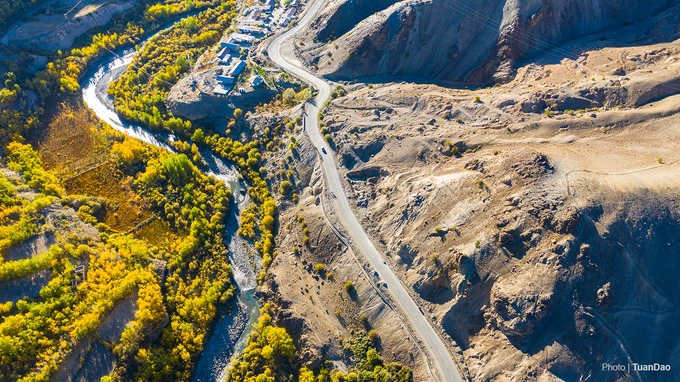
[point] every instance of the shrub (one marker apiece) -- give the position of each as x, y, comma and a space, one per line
25, 160
285, 188
339, 91
269, 354
363, 319
130, 152
288, 97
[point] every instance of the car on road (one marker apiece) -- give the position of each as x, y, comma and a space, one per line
323, 150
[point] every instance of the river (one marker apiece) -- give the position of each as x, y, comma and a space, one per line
233, 322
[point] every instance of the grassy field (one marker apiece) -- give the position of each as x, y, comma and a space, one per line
77, 147
157, 232
123, 209
73, 141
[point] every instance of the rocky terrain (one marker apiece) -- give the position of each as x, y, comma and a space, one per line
461, 42
56, 25
315, 307
193, 98
537, 220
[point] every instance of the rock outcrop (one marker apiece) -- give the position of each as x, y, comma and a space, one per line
520, 302
57, 31
460, 41
541, 238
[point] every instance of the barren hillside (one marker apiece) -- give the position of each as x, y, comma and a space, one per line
57, 25
461, 41
537, 221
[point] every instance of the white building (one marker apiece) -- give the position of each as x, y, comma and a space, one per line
241, 39
287, 16
256, 81
220, 90
250, 30
224, 56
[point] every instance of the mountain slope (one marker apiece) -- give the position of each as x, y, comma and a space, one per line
537, 221
459, 41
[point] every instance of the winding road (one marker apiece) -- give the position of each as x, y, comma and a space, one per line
419, 323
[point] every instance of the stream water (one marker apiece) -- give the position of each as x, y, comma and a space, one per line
233, 323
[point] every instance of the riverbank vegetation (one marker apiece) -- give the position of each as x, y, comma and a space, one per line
135, 223
178, 285
177, 289
24, 99
198, 272
269, 355
140, 93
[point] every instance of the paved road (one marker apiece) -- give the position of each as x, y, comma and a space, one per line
420, 324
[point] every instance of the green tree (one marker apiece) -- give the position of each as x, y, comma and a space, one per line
285, 188
288, 97
198, 136
270, 352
